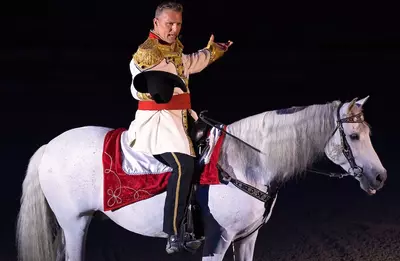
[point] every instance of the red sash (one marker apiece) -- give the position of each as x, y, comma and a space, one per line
177, 102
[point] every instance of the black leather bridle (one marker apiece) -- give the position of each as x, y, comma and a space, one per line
354, 170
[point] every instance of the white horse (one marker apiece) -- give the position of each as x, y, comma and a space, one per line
63, 186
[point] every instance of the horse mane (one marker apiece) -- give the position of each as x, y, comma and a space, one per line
289, 143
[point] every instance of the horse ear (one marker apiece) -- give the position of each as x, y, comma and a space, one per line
351, 105
361, 102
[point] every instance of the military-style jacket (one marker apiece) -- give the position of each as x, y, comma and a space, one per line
159, 128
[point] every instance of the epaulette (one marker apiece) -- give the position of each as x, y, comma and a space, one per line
148, 54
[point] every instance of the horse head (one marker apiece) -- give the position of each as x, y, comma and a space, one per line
351, 148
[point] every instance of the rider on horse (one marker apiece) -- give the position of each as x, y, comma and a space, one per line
160, 73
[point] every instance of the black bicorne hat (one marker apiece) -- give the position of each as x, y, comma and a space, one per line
159, 84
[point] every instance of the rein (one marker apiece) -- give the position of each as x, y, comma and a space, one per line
208, 121
354, 169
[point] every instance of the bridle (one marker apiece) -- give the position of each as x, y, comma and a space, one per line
354, 170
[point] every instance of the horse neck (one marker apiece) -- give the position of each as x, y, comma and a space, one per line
288, 143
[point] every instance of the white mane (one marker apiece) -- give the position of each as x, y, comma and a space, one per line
289, 142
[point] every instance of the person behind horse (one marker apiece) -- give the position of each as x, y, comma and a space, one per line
160, 73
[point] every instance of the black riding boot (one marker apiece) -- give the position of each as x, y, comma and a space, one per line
178, 190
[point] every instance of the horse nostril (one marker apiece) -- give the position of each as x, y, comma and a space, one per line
381, 177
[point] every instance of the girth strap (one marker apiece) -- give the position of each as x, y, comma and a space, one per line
266, 197
252, 191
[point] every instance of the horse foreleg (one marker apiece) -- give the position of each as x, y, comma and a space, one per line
216, 245
243, 250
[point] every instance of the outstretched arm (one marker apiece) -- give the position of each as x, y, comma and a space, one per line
197, 61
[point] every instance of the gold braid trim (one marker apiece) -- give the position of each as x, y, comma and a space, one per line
144, 96
173, 54
177, 190
185, 122
148, 55
215, 51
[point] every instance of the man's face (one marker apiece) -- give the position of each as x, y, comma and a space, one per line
168, 25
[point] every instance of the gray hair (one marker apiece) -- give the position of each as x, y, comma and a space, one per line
168, 5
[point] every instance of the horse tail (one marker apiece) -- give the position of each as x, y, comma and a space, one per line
35, 219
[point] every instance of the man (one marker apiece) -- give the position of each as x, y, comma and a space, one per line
161, 122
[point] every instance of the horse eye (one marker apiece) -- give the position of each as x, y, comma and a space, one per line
354, 136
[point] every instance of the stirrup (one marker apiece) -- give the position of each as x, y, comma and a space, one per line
191, 244
188, 243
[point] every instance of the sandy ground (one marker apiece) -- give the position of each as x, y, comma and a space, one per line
349, 228
328, 242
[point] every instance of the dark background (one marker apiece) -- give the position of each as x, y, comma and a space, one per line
66, 64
